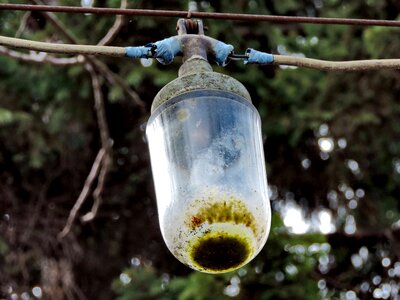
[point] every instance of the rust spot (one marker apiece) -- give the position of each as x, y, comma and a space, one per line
196, 222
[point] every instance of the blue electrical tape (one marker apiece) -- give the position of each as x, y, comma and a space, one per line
258, 57
221, 52
137, 52
166, 50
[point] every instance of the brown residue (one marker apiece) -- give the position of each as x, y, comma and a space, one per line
228, 210
196, 222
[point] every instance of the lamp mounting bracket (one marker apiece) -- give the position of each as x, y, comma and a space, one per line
190, 26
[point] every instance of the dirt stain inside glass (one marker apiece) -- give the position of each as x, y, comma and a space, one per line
230, 210
220, 253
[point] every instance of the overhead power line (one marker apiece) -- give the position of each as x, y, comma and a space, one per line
347, 66
200, 15
355, 65
62, 48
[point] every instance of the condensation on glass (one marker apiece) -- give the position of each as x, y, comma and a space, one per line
208, 166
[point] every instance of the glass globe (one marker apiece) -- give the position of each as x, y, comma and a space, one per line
209, 172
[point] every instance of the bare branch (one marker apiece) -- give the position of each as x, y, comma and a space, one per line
102, 162
100, 167
41, 57
115, 79
84, 193
99, 189
100, 109
105, 143
22, 26
111, 77
113, 31
56, 23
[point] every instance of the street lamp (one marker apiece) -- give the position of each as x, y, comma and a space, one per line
208, 165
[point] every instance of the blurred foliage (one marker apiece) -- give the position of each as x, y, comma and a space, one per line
49, 138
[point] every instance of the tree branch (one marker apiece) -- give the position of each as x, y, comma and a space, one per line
102, 68
84, 193
56, 23
115, 79
105, 143
99, 108
78, 49
103, 160
113, 31
22, 26
41, 57
99, 189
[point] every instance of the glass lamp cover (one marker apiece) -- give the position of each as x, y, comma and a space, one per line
209, 172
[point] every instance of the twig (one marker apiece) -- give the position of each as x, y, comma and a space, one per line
22, 26
99, 107
113, 31
100, 166
114, 79
56, 23
84, 193
106, 72
105, 143
42, 57
111, 77
99, 189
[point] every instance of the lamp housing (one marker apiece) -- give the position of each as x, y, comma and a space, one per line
208, 166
